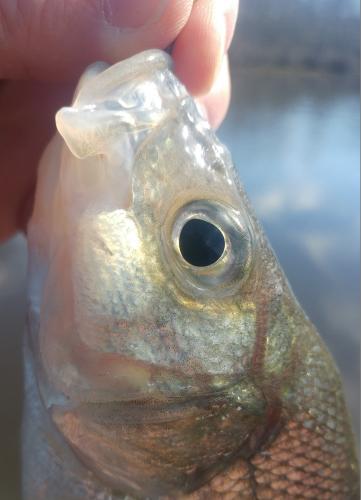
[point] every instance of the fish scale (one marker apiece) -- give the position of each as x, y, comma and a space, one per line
308, 459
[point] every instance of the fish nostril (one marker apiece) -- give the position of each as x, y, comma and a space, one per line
201, 243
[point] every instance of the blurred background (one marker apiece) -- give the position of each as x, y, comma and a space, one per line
293, 130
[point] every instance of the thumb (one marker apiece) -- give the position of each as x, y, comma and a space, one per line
55, 40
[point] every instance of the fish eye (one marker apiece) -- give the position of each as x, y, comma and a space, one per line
201, 243
208, 245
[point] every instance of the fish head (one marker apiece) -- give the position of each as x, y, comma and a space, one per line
163, 326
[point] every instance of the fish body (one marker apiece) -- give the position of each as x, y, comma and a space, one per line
167, 356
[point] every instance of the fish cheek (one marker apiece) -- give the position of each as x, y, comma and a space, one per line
108, 300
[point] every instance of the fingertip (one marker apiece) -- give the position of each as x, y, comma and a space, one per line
55, 42
231, 14
199, 48
117, 44
216, 102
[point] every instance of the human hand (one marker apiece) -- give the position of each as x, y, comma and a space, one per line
45, 46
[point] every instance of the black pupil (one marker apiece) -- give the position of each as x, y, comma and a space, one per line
201, 243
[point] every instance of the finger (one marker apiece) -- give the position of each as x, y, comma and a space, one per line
55, 40
199, 49
25, 132
216, 102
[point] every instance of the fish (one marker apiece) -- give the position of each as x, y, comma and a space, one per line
167, 356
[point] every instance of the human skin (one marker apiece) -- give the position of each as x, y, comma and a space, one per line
46, 44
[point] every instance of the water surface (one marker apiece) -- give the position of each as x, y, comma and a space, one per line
295, 141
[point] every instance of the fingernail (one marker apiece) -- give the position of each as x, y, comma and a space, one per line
220, 25
133, 13
230, 12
